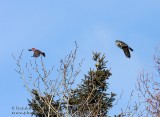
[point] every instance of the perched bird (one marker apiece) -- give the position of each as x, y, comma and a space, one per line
125, 48
37, 53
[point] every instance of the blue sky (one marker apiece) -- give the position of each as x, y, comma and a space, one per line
54, 25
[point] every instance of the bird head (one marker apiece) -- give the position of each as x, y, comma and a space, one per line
117, 42
33, 49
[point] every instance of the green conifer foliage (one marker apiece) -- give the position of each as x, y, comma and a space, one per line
91, 99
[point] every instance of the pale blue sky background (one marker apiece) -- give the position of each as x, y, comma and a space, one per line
54, 25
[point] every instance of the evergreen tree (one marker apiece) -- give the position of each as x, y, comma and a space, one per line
91, 98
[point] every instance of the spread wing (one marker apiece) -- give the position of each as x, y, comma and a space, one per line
126, 51
43, 54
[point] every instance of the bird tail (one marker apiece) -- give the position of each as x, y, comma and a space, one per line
43, 54
130, 48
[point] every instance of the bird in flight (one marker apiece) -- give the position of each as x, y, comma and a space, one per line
37, 53
125, 47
